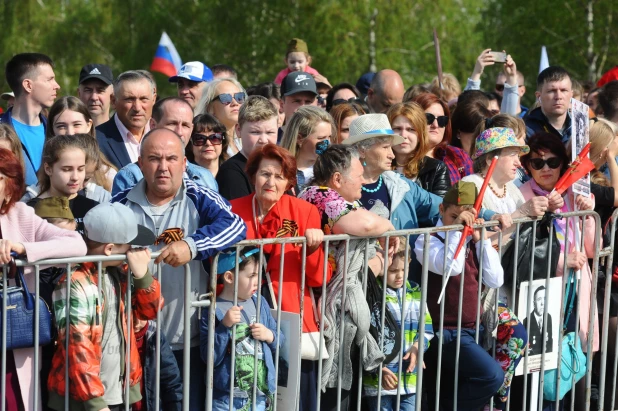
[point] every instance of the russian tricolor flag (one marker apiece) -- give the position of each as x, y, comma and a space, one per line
166, 59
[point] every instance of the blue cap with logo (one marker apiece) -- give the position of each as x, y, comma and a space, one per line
227, 259
194, 71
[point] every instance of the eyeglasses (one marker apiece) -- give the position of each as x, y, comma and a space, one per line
539, 163
199, 140
442, 120
500, 87
226, 98
342, 101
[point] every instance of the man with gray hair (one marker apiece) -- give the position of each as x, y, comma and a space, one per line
119, 138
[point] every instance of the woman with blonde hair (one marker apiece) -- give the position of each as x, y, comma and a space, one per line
343, 114
309, 126
222, 98
409, 121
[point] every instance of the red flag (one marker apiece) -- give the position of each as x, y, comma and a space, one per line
581, 166
467, 231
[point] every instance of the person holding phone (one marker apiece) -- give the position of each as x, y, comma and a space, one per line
510, 90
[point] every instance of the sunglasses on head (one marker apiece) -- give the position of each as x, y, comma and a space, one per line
341, 101
226, 98
199, 140
442, 120
539, 163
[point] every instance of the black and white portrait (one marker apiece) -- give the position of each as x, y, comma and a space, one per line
537, 337
538, 309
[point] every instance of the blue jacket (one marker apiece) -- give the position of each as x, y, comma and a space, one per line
131, 174
410, 204
112, 144
208, 225
536, 121
221, 356
169, 377
31, 177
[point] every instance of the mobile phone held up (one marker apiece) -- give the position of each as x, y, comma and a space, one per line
499, 56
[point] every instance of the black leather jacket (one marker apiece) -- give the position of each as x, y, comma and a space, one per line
433, 176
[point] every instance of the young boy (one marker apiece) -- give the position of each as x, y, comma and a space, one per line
56, 211
408, 302
98, 322
480, 376
257, 126
252, 332
297, 58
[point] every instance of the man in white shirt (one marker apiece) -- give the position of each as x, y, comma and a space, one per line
119, 138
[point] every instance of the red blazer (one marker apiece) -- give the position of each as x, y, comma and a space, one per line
306, 216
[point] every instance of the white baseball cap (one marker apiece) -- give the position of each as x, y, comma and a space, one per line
114, 223
194, 71
6, 96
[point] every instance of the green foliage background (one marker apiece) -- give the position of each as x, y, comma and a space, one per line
251, 35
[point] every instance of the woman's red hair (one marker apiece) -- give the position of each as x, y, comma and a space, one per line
272, 152
426, 100
13, 173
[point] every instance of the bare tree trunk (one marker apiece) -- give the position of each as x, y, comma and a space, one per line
591, 56
372, 42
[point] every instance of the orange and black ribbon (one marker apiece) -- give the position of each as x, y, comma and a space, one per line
288, 227
170, 235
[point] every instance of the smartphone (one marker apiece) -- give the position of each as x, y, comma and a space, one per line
499, 56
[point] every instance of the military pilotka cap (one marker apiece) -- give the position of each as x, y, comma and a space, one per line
298, 82
297, 45
114, 223
463, 193
97, 71
54, 207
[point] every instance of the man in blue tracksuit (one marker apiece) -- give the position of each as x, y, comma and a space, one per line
192, 223
31, 77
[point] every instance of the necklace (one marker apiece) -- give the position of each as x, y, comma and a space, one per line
494, 191
399, 165
373, 190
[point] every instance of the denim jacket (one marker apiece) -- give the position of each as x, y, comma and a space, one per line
222, 357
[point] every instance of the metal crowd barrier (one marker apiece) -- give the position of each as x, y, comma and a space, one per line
208, 299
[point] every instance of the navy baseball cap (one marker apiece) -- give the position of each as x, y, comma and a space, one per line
194, 71
298, 82
364, 82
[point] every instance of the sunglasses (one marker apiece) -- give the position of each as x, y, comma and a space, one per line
226, 98
539, 163
442, 120
199, 140
500, 87
342, 101
321, 100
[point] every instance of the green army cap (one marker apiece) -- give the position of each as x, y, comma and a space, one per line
54, 207
297, 45
462, 193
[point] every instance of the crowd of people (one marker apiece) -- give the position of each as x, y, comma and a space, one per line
119, 169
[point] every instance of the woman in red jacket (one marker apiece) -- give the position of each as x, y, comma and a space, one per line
270, 213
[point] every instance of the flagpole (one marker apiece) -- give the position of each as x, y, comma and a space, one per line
436, 44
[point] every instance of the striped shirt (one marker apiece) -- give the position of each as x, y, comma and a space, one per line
411, 307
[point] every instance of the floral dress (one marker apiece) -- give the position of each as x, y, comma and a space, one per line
332, 207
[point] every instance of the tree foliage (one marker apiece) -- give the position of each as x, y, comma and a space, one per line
251, 35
